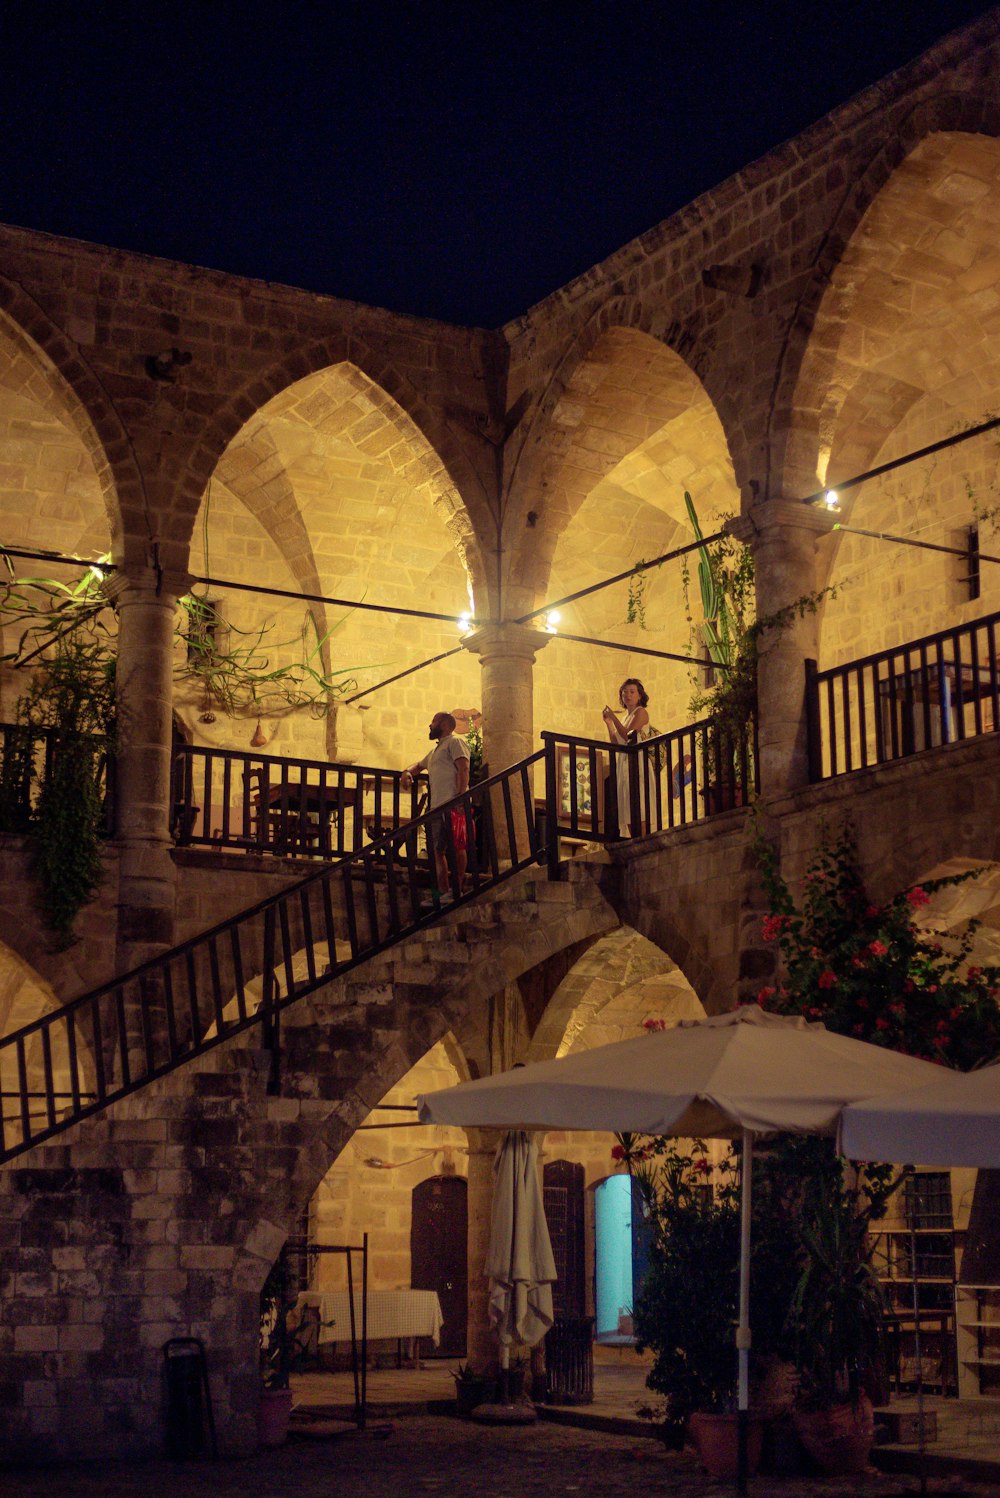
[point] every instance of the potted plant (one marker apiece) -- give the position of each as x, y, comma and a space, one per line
280, 1352
686, 1309
728, 697
838, 1311
471, 1388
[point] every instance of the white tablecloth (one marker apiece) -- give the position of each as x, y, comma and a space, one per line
391, 1313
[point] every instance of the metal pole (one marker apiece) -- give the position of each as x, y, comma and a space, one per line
743, 1328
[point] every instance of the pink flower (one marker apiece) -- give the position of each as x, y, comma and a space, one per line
766, 993
877, 948
918, 896
773, 926
932, 988
827, 979
814, 1013
654, 1024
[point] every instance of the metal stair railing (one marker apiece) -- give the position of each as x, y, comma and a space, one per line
144, 1024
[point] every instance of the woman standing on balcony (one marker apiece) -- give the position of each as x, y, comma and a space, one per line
631, 728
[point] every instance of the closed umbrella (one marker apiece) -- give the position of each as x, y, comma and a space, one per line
736, 1075
519, 1263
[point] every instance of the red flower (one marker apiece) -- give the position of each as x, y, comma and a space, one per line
918, 896
857, 1029
766, 993
955, 1013
827, 979
654, 1024
940, 1041
877, 948
932, 988
814, 1013
773, 926
872, 912
973, 973
897, 1008
617, 1152
863, 1004
857, 961
881, 1023
942, 1027
703, 1166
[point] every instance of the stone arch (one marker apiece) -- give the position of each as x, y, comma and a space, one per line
441, 454
633, 427
796, 438
621, 980
331, 489
26, 996
63, 384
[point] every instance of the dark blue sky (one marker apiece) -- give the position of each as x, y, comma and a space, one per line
447, 159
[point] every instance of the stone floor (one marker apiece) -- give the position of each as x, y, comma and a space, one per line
407, 1451
430, 1454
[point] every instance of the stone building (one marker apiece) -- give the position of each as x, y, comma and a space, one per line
830, 308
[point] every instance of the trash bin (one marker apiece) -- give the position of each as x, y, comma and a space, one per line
569, 1361
190, 1423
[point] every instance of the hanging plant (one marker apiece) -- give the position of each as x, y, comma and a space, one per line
72, 696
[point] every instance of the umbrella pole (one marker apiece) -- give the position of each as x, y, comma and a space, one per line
504, 1373
743, 1329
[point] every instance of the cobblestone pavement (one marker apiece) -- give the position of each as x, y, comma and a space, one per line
451, 1459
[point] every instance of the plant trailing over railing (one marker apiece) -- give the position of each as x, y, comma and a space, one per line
71, 693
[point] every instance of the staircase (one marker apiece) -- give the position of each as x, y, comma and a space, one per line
75, 1060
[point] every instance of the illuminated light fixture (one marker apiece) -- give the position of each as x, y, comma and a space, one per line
551, 620
464, 623
832, 499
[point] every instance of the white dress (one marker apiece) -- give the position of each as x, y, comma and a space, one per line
622, 774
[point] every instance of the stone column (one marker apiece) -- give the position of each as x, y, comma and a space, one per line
507, 654
482, 1347
146, 607
783, 535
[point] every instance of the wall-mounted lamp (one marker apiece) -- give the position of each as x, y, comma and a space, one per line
164, 366
465, 624
832, 500
551, 620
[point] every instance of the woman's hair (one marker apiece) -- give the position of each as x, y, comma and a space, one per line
633, 681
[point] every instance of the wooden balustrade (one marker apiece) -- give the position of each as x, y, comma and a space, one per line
937, 690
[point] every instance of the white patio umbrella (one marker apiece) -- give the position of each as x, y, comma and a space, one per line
954, 1119
519, 1263
736, 1075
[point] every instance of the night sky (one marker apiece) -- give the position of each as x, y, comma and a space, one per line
452, 160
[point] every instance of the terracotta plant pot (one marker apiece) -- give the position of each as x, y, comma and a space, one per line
838, 1439
273, 1414
716, 1438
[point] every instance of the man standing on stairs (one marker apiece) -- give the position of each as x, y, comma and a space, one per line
447, 766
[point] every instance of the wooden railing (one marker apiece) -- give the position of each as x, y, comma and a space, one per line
27, 756
225, 798
938, 690
670, 781
115, 1039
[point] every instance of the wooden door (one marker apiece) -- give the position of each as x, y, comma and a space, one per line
563, 1195
439, 1230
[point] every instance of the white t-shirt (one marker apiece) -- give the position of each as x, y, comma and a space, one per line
441, 764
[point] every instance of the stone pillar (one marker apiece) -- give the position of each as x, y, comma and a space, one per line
507, 654
783, 535
146, 611
482, 1347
